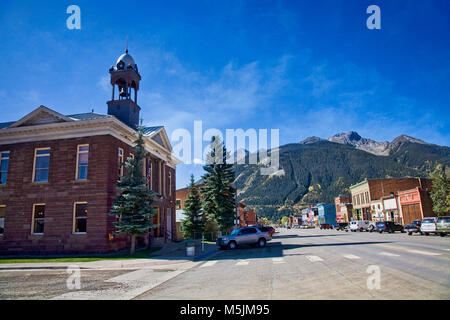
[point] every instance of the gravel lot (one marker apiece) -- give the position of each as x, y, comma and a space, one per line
46, 284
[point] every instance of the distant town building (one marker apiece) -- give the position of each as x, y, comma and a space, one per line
247, 217
327, 213
390, 209
308, 215
370, 191
415, 204
344, 208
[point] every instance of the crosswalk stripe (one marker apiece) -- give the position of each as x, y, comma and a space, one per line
388, 254
208, 264
278, 260
242, 263
314, 258
427, 253
351, 256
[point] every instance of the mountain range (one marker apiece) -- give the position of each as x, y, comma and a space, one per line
317, 170
353, 139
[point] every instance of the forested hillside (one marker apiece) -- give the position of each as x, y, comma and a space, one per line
319, 171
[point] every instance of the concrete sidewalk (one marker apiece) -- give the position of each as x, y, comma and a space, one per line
172, 254
129, 279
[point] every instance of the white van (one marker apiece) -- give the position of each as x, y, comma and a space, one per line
359, 225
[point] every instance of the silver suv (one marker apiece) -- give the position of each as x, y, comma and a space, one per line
244, 236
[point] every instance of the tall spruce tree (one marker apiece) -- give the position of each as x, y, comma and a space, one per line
134, 205
440, 193
193, 223
219, 196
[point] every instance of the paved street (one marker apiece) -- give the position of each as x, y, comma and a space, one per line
297, 264
320, 264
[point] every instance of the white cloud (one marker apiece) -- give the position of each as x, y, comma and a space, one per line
105, 83
220, 99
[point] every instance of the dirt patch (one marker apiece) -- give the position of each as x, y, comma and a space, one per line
37, 285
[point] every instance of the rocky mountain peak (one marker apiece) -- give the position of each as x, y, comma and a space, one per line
310, 140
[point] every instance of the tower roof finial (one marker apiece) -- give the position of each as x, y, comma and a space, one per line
126, 51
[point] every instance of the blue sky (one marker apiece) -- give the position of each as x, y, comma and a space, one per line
304, 67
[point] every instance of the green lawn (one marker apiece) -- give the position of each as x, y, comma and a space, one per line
140, 254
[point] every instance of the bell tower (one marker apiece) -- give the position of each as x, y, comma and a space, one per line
125, 78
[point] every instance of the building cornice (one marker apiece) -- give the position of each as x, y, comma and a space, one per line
358, 184
84, 128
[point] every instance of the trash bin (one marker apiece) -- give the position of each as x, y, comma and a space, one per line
190, 248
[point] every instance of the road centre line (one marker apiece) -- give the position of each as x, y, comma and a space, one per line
278, 260
428, 253
208, 264
388, 254
351, 256
314, 258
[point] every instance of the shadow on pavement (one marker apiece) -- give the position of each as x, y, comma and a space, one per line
312, 236
276, 249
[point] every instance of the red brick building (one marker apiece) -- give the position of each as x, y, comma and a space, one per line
344, 208
371, 191
246, 217
415, 204
59, 174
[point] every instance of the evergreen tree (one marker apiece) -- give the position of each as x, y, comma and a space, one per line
134, 205
440, 193
193, 223
219, 196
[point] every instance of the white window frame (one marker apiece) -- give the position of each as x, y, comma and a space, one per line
164, 185
34, 163
5, 158
149, 168
120, 160
75, 218
160, 178
33, 219
170, 182
78, 161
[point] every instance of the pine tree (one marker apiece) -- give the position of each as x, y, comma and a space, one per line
134, 205
440, 193
219, 196
193, 224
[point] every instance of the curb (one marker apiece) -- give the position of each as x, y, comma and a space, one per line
41, 268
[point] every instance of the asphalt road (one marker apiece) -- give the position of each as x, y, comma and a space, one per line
321, 264
296, 264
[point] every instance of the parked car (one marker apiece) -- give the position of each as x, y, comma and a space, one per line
325, 226
359, 225
372, 226
341, 226
428, 225
244, 236
389, 226
413, 227
443, 226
